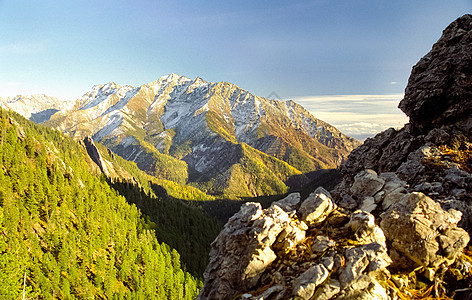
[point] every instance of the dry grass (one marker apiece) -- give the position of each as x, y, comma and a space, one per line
462, 156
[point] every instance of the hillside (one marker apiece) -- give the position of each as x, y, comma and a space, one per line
193, 131
66, 232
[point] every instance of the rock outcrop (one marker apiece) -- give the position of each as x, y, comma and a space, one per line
440, 86
297, 249
95, 155
397, 224
433, 153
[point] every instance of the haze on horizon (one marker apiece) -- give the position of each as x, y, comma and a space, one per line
347, 62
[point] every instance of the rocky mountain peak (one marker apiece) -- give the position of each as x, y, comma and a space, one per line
201, 126
38, 107
440, 85
404, 206
172, 77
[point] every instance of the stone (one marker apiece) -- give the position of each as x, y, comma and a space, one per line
456, 176
437, 136
394, 189
289, 204
328, 262
415, 226
95, 155
322, 243
348, 202
367, 183
368, 204
437, 187
439, 88
424, 187
366, 231
317, 206
327, 290
305, 284
242, 250
383, 177
365, 260
365, 288
273, 293
290, 237
360, 219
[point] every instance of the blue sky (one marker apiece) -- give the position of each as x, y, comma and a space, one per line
297, 49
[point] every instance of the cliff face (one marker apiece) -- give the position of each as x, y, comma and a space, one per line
433, 153
397, 225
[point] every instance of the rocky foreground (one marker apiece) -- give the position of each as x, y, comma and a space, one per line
398, 225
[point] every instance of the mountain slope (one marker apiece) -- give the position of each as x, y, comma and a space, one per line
67, 232
37, 108
191, 130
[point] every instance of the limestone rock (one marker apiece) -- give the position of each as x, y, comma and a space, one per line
394, 189
440, 87
305, 284
242, 251
291, 236
363, 225
289, 204
367, 183
328, 290
369, 259
366, 288
95, 155
368, 204
322, 243
420, 229
378, 204
317, 206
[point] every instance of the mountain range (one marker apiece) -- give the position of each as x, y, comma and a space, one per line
216, 137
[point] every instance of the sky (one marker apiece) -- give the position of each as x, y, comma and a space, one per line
347, 61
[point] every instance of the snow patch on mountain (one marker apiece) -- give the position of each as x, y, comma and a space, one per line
37, 108
123, 100
111, 127
247, 114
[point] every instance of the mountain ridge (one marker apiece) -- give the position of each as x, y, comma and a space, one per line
196, 125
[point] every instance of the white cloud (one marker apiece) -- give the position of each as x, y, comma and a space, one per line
359, 116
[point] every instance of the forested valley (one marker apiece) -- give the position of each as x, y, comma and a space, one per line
69, 232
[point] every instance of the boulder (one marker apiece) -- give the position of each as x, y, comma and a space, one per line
317, 206
289, 204
242, 250
367, 183
366, 231
304, 286
370, 260
440, 87
419, 228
